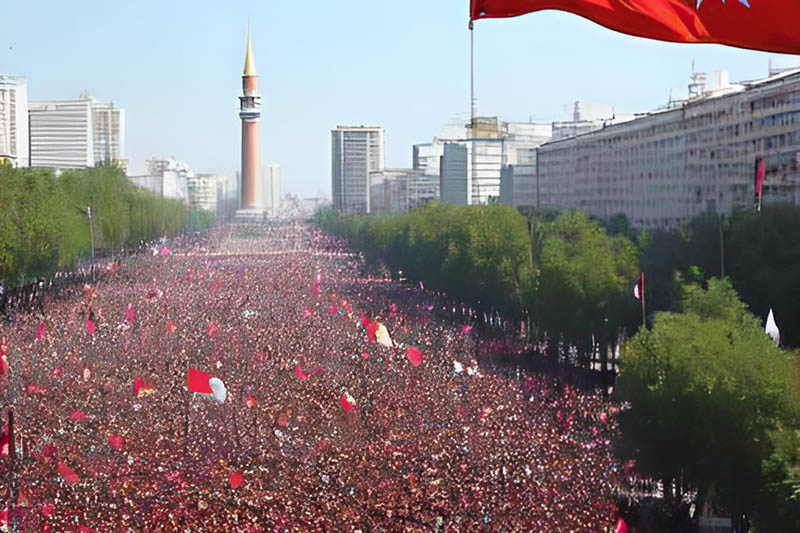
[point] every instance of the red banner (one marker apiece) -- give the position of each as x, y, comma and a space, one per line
768, 25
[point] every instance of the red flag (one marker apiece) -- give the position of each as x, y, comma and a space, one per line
140, 388
67, 473
760, 171
302, 376
198, 382
130, 314
414, 356
235, 479
638, 289
768, 25
116, 441
348, 403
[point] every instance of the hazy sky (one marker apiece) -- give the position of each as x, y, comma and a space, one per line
175, 66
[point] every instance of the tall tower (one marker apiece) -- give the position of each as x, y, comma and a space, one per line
250, 113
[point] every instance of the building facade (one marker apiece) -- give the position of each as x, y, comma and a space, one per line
14, 147
471, 169
270, 189
166, 177
355, 153
400, 190
76, 133
665, 168
201, 191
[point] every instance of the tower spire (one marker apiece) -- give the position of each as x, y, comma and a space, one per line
249, 63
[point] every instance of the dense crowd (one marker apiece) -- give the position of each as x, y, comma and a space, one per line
326, 426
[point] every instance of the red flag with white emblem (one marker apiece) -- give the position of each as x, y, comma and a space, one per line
767, 25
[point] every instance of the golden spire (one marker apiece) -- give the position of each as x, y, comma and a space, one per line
249, 64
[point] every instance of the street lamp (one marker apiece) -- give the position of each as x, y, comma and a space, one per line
88, 213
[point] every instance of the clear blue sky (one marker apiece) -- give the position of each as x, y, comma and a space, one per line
175, 67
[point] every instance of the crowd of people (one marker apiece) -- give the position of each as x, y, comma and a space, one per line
352, 403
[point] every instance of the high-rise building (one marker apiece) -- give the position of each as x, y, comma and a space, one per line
470, 168
250, 114
76, 133
108, 128
356, 152
671, 165
14, 121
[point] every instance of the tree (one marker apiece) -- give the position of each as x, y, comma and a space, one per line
707, 387
584, 282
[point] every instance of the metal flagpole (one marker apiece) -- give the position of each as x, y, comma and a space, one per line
471, 109
644, 315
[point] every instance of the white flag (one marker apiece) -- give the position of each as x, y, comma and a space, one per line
772, 329
382, 336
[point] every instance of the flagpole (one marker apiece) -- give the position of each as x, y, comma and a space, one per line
644, 315
471, 108
13, 499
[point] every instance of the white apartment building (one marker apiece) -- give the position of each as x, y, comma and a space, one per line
201, 191
356, 151
76, 133
667, 167
166, 177
400, 190
14, 121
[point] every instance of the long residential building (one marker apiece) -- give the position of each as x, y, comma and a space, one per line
669, 166
14, 121
76, 133
356, 152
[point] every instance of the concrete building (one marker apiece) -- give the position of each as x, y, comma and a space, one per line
201, 190
270, 189
400, 190
250, 114
14, 121
518, 181
667, 167
166, 177
471, 169
108, 130
77, 133
227, 195
356, 152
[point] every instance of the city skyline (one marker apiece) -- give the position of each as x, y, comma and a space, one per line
175, 69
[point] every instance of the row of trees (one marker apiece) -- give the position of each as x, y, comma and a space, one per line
44, 226
716, 406
561, 270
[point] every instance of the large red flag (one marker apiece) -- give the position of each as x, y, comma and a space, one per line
198, 381
768, 25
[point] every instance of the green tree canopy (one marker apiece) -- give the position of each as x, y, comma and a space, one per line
707, 387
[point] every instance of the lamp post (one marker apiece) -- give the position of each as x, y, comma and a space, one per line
88, 213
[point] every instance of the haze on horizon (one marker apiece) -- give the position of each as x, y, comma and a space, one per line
404, 65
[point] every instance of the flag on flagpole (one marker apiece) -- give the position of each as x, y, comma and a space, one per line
203, 383
198, 381
759, 185
638, 289
767, 25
